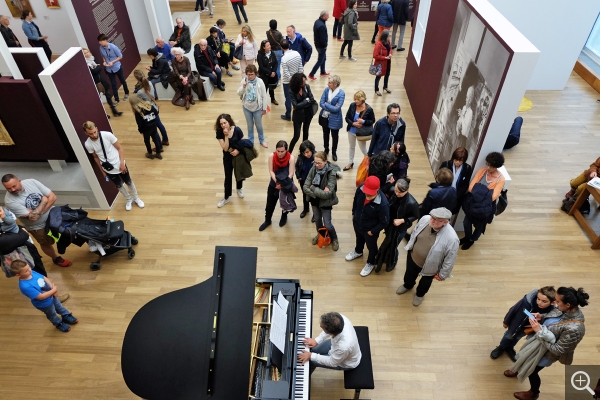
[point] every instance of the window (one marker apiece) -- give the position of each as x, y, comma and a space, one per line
421, 27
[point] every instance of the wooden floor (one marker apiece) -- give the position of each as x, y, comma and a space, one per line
438, 350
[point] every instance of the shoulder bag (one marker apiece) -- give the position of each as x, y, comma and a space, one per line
364, 133
239, 52
375, 69
105, 164
502, 202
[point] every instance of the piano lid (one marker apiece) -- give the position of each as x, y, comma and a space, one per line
166, 349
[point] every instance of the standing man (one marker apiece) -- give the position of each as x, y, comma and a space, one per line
431, 253
320, 34
7, 33
299, 43
108, 154
164, 49
387, 130
181, 36
111, 56
400, 10
335, 348
31, 202
370, 214
291, 63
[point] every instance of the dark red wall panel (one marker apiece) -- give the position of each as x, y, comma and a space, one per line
83, 104
422, 82
28, 124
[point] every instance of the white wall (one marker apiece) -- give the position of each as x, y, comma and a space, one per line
558, 28
163, 17
54, 23
140, 24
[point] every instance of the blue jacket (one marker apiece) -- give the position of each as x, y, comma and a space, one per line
302, 46
384, 135
438, 196
30, 30
385, 15
320, 34
335, 108
165, 51
374, 216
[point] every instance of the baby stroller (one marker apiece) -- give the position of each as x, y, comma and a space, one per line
105, 237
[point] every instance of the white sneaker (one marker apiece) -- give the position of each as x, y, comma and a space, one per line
139, 202
353, 255
128, 205
223, 202
367, 269
240, 193
352, 59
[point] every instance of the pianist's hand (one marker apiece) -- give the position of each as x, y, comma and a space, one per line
304, 357
310, 342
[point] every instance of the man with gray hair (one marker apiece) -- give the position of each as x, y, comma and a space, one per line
181, 36
335, 348
321, 37
207, 63
431, 253
7, 33
164, 49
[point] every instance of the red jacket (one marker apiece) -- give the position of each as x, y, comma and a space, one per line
338, 8
379, 54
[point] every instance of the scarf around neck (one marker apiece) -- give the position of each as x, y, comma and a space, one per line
251, 90
319, 174
280, 162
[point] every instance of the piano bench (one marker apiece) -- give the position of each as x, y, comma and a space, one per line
361, 377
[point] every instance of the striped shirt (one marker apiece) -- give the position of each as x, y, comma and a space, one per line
291, 63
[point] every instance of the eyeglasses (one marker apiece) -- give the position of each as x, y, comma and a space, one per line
318, 163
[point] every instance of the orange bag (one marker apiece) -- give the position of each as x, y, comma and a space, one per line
363, 171
324, 238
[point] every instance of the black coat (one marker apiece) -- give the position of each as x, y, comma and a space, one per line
462, 185
438, 196
374, 216
203, 63
146, 123
368, 116
212, 43
320, 34
9, 36
266, 66
160, 69
302, 103
184, 41
400, 9
408, 209
515, 317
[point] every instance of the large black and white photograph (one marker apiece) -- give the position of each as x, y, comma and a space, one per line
473, 72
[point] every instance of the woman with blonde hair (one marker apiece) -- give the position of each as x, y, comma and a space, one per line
145, 116
250, 46
146, 91
360, 119
330, 118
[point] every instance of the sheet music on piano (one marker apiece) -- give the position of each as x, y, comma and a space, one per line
279, 322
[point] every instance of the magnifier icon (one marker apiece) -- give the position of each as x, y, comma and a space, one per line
580, 380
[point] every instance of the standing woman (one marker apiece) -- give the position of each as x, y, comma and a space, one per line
491, 178
302, 102
275, 38
182, 77
145, 116
339, 6
229, 136
331, 102
462, 173
303, 165
359, 115
383, 56
568, 329
350, 18
250, 46
267, 68
254, 103
146, 92
238, 5
281, 163
384, 16
34, 36
320, 185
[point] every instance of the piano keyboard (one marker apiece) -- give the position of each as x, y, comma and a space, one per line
302, 384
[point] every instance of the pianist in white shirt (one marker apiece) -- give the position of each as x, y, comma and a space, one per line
335, 348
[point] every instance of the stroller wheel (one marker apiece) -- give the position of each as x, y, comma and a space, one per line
131, 253
134, 240
95, 266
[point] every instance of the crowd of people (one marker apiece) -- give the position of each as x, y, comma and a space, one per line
382, 202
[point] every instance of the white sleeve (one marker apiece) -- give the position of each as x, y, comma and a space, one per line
319, 339
334, 359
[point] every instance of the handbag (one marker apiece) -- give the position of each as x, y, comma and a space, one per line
502, 202
375, 69
105, 164
323, 121
239, 52
363, 171
364, 133
324, 238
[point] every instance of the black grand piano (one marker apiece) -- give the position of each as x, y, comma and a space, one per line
211, 340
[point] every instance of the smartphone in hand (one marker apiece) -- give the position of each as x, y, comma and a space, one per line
530, 315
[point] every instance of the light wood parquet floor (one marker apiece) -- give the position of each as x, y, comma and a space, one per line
438, 350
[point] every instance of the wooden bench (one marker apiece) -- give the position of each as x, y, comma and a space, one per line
361, 377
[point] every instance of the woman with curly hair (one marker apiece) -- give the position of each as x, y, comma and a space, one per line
229, 137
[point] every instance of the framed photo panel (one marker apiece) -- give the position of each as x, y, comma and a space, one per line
17, 7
